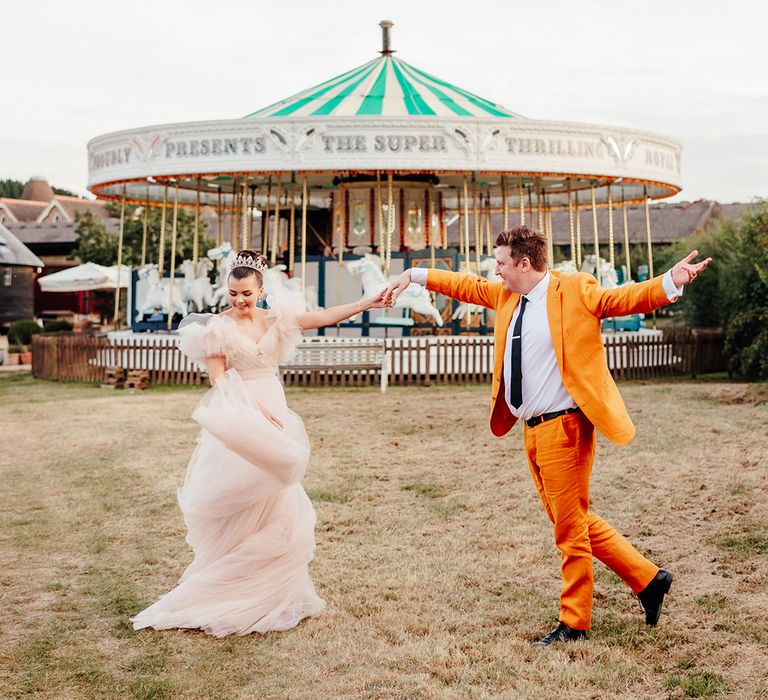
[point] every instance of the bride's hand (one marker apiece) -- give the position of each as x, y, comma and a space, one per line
377, 302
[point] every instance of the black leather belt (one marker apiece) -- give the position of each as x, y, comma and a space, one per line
533, 422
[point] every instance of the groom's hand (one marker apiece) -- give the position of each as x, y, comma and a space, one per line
685, 271
396, 287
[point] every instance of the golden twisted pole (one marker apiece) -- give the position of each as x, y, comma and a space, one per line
594, 230
380, 217
251, 208
342, 237
196, 239
267, 219
116, 319
648, 240
611, 256
505, 200
550, 242
174, 230
626, 237
304, 197
466, 223
244, 214
219, 220
390, 224
648, 230
292, 231
521, 198
144, 232
476, 217
539, 208
571, 226
488, 233
276, 222
163, 217
234, 231
578, 229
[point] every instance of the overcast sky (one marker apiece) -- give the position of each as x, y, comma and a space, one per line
696, 71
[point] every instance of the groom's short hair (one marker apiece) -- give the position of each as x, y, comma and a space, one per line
525, 242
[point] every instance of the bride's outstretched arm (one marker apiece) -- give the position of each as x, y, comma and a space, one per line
335, 314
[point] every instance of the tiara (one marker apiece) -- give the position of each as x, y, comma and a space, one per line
248, 261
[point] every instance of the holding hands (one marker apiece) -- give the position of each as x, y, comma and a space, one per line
375, 302
396, 287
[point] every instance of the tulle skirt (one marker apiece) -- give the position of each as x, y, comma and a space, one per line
249, 521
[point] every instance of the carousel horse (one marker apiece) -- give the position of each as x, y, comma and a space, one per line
275, 278
487, 270
224, 256
197, 287
415, 297
158, 298
609, 278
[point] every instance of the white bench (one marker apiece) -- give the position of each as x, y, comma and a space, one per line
324, 360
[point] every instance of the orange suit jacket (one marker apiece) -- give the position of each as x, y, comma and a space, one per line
575, 305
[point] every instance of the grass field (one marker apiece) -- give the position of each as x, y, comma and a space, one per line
434, 554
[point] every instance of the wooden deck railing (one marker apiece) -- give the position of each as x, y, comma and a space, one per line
412, 361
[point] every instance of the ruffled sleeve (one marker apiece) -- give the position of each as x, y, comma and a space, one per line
286, 307
201, 336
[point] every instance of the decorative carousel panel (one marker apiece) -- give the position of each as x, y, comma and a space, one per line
414, 231
359, 229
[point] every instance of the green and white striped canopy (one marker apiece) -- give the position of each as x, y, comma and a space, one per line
388, 87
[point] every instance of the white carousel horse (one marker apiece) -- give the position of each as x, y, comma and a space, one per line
158, 298
224, 256
197, 287
414, 297
609, 278
566, 266
275, 278
487, 270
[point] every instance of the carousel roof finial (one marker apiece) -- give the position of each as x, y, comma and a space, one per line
385, 25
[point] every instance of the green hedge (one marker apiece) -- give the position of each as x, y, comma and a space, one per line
22, 331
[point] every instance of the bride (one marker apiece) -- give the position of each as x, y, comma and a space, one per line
249, 522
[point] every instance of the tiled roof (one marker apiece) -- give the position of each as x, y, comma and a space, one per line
14, 252
59, 232
669, 222
29, 210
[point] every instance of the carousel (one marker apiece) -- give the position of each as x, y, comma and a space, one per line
382, 167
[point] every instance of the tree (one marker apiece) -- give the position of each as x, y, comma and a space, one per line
733, 292
62, 191
11, 189
95, 244
745, 295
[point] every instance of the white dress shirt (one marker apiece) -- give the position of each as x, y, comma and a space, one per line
543, 389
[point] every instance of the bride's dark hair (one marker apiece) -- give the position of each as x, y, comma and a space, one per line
240, 273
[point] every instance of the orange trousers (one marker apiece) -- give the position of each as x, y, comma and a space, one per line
560, 455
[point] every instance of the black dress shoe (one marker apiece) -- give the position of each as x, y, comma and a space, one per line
561, 633
652, 596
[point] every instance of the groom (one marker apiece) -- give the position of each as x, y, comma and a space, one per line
550, 371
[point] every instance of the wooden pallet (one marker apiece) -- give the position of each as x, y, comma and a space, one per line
114, 378
137, 379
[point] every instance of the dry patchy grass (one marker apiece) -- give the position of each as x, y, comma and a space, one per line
433, 554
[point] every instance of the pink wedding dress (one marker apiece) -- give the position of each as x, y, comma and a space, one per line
249, 522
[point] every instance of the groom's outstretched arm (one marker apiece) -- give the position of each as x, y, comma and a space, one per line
457, 285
